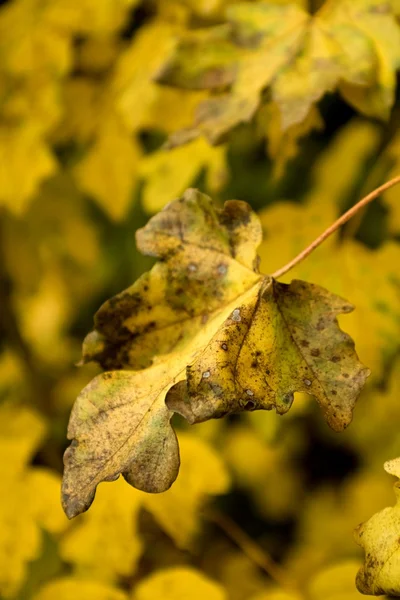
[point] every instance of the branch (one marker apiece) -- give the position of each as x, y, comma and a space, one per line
250, 548
341, 221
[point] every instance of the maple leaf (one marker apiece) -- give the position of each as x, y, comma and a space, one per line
350, 45
105, 547
379, 537
211, 336
341, 263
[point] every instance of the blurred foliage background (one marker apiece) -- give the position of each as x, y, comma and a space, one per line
83, 163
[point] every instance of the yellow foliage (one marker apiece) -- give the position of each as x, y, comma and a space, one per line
29, 496
330, 512
169, 172
300, 57
290, 227
202, 474
103, 103
179, 583
106, 542
268, 470
109, 170
379, 537
22, 151
249, 343
335, 582
69, 588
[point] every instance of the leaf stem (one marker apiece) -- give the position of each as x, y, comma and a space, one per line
338, 223
250, 548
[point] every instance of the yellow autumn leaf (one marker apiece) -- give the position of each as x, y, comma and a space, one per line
339, 266
29, 41
86, 104
140, 101
328, 518
89, 16
290, 227
277, 594
179, 583
212, 327
269, 469
21, 431
102, 548
45, 314
374, 431
239, 575
69, 588
336, 582
376, 322
169, 172
23, 510
105, 543
109, 171
299, 56
283, 145
25, 160
379, 537
202, 474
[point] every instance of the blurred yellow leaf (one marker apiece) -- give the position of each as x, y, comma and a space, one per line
179, 583
28, 497
30, 42
45, 314
86, 104
140, 101
21, 431
72, 588
109, 171
277, 594
336, 582
105, 543
301, 57
239, 575
374, 429
379, 537
290, 227
328, 518
24, 162
89, 16
169, 172
202, 473
268, 469
283, 145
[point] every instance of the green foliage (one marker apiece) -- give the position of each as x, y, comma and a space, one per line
107, 111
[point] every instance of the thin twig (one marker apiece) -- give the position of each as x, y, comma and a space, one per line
341, 221
250, 548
